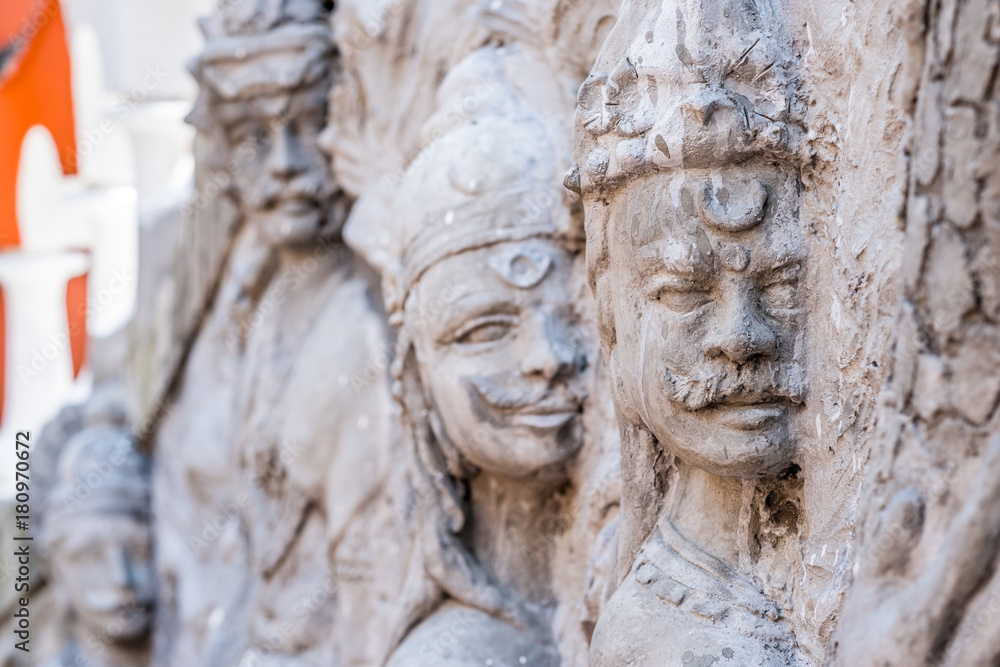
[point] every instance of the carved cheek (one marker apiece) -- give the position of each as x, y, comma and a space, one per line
680, 338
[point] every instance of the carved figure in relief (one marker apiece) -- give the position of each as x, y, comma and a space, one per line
266, 72
98, 540
489, 373
280, 434
312, 423
687, 169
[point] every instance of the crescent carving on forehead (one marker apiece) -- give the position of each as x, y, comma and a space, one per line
523, 266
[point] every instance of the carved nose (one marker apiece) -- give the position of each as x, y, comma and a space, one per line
119, 568
285, 159
740, 334
552, 352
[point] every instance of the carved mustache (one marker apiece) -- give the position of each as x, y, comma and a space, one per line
272, 192
756, 382
523, 399
110, 601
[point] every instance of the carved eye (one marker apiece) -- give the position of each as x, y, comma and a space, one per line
263, 137
484, 330
680, 295
243, 132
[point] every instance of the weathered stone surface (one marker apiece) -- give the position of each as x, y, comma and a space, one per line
598, 387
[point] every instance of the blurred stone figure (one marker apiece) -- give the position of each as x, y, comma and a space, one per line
281, 436
490, 373
98, 540
266, 73
695, 249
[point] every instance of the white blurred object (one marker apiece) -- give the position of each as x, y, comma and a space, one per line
39, 366
164, 144
56, 213
44, 220
104, 146
131, 92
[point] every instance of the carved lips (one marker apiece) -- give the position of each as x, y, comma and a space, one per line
535, 409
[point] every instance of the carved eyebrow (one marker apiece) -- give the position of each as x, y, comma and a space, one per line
784, 267
650, 259
471, 307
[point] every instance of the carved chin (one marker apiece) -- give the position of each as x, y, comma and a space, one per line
746, 442
753, 458
537, 450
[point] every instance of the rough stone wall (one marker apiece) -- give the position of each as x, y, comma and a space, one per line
925, 592
854, 61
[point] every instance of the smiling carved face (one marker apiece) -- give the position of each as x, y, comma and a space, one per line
708, 314
500, 356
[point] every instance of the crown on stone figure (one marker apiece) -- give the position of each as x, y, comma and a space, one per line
99, 472
684, 84
260, 47
490, 177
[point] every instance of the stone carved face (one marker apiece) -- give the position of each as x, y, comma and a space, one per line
283, 177
500, 358
707, 307
105, 564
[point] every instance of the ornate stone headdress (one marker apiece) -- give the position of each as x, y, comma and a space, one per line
256, 47
685, 84
488, 173
99, 472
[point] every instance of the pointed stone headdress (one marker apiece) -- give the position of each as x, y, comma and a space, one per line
99, 472
489, 172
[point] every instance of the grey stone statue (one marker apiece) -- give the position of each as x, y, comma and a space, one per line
274, 448
490, 373
98, 540
687, 169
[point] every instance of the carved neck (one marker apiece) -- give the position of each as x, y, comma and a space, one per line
513, 530
714, 512
93, 649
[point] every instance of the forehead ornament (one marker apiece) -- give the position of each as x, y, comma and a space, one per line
734, 206
521, 267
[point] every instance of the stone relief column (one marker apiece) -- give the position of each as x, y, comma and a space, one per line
271, 451
393, 56
686, 149
97, 537
491, 372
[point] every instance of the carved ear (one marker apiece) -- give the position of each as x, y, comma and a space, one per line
597, 220
624, 401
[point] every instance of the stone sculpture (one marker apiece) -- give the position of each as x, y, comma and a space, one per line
392, 60
490, 373
685, 147
98, 540
270, 389
733, 159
